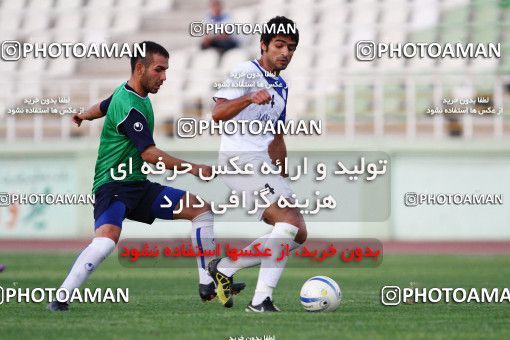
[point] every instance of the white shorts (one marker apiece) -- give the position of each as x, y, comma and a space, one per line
273, 187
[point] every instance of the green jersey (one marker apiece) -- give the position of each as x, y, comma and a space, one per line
127, 132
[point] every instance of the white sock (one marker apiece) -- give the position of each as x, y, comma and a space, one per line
202, 235
262, 291
89, 259
229, 267
270, 268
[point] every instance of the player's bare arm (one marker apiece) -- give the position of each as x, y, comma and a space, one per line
94, 112
278, 151
225, 109
152, 154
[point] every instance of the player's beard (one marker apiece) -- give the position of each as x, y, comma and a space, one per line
148, 85
153, 89
281, 68
278, 66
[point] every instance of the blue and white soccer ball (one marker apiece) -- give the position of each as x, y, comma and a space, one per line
320, 294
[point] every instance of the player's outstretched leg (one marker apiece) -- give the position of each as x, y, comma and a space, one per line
229, 267
289, 229
202, 237
88, 260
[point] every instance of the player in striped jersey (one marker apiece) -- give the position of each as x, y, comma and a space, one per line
255, 91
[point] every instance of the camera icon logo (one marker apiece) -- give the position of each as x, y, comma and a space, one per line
11, 50
365, 50
196, 29
391, 295
4, 199
186, 127
411, 199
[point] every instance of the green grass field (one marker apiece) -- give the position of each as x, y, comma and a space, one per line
164, 302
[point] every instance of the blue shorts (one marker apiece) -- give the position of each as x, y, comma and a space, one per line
136, 200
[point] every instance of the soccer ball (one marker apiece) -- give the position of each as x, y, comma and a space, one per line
320, 294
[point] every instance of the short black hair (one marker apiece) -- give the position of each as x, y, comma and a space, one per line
150, 48
275, 26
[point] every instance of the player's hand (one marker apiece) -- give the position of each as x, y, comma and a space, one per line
77, 119
261, 97
206, 170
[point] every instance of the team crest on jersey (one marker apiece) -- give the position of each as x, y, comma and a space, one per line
138, 126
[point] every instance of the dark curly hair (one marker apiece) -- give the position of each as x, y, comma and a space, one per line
275, 26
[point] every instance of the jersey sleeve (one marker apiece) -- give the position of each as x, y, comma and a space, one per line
238, 83
136, 128
105, 104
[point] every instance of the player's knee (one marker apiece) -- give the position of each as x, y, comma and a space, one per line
192, 208
197, 206
110, 231
301, 235
294, 217
204, 210
203, 216
275, 214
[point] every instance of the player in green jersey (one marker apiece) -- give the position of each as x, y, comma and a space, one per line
127, 137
